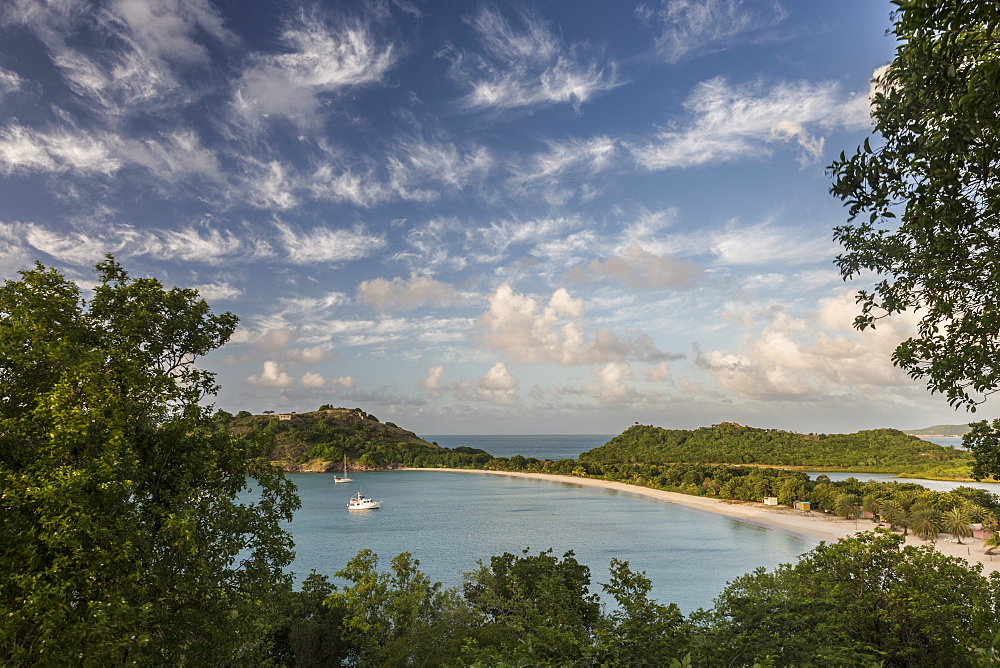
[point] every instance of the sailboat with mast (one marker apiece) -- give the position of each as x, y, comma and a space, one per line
344, 478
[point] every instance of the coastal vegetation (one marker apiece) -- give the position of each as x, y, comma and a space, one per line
321, 440
864, 600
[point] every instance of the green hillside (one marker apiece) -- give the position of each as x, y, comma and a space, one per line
320, 440
940, 430
871, 451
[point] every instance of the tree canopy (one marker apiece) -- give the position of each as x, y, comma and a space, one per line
924, 196
127, 528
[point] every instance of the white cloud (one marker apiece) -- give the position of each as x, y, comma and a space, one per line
321, 57
9, 82
587, 156
328, 245
26, 150
735, 122
431, 383
658, 373
611, 387
344, 382
527, 65
695, 27
313, 355
217, 292
518, 326
637, 268
271, 377
497, 386
312, 380
812, 359
766, 244
404, 294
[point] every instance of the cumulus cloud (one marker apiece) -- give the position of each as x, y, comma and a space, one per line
638, 268
519, 326
271, 377
313, 355
312, 380
497, 386
798, 359
344, 382
611, 387
431, 383
525, 64
734, 122
403, 294
658, 373
690, 28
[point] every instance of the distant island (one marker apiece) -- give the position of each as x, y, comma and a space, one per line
941, 430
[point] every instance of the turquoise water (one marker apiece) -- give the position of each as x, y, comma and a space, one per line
448, 521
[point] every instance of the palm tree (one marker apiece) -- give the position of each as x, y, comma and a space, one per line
956, 522
890, 511
846, 506
992, 543
926, 522
870, 504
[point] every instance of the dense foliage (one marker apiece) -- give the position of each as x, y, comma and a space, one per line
324, 438
864, 600
924, 196
122, 535
871, 451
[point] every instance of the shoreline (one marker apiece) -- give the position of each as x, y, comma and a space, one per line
816, 525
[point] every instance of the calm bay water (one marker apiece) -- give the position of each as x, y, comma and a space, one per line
450, 520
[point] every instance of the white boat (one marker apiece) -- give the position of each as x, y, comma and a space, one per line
360, 502
343, 478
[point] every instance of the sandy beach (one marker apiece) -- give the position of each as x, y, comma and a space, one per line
814, 524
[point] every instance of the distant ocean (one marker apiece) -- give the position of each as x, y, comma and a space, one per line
539, 447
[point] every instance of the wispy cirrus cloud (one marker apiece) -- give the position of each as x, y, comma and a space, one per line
24, 149
9, 82
322, 56
728, 122
691, 28
525, 64
145, 46
327, 244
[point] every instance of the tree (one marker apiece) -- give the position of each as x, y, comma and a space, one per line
846, 506
537, 601
398, 618
956, 522
126, 531
924, 200
926, 522
860, 601
639, 631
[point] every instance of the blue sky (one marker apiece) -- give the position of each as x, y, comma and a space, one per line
548, 217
